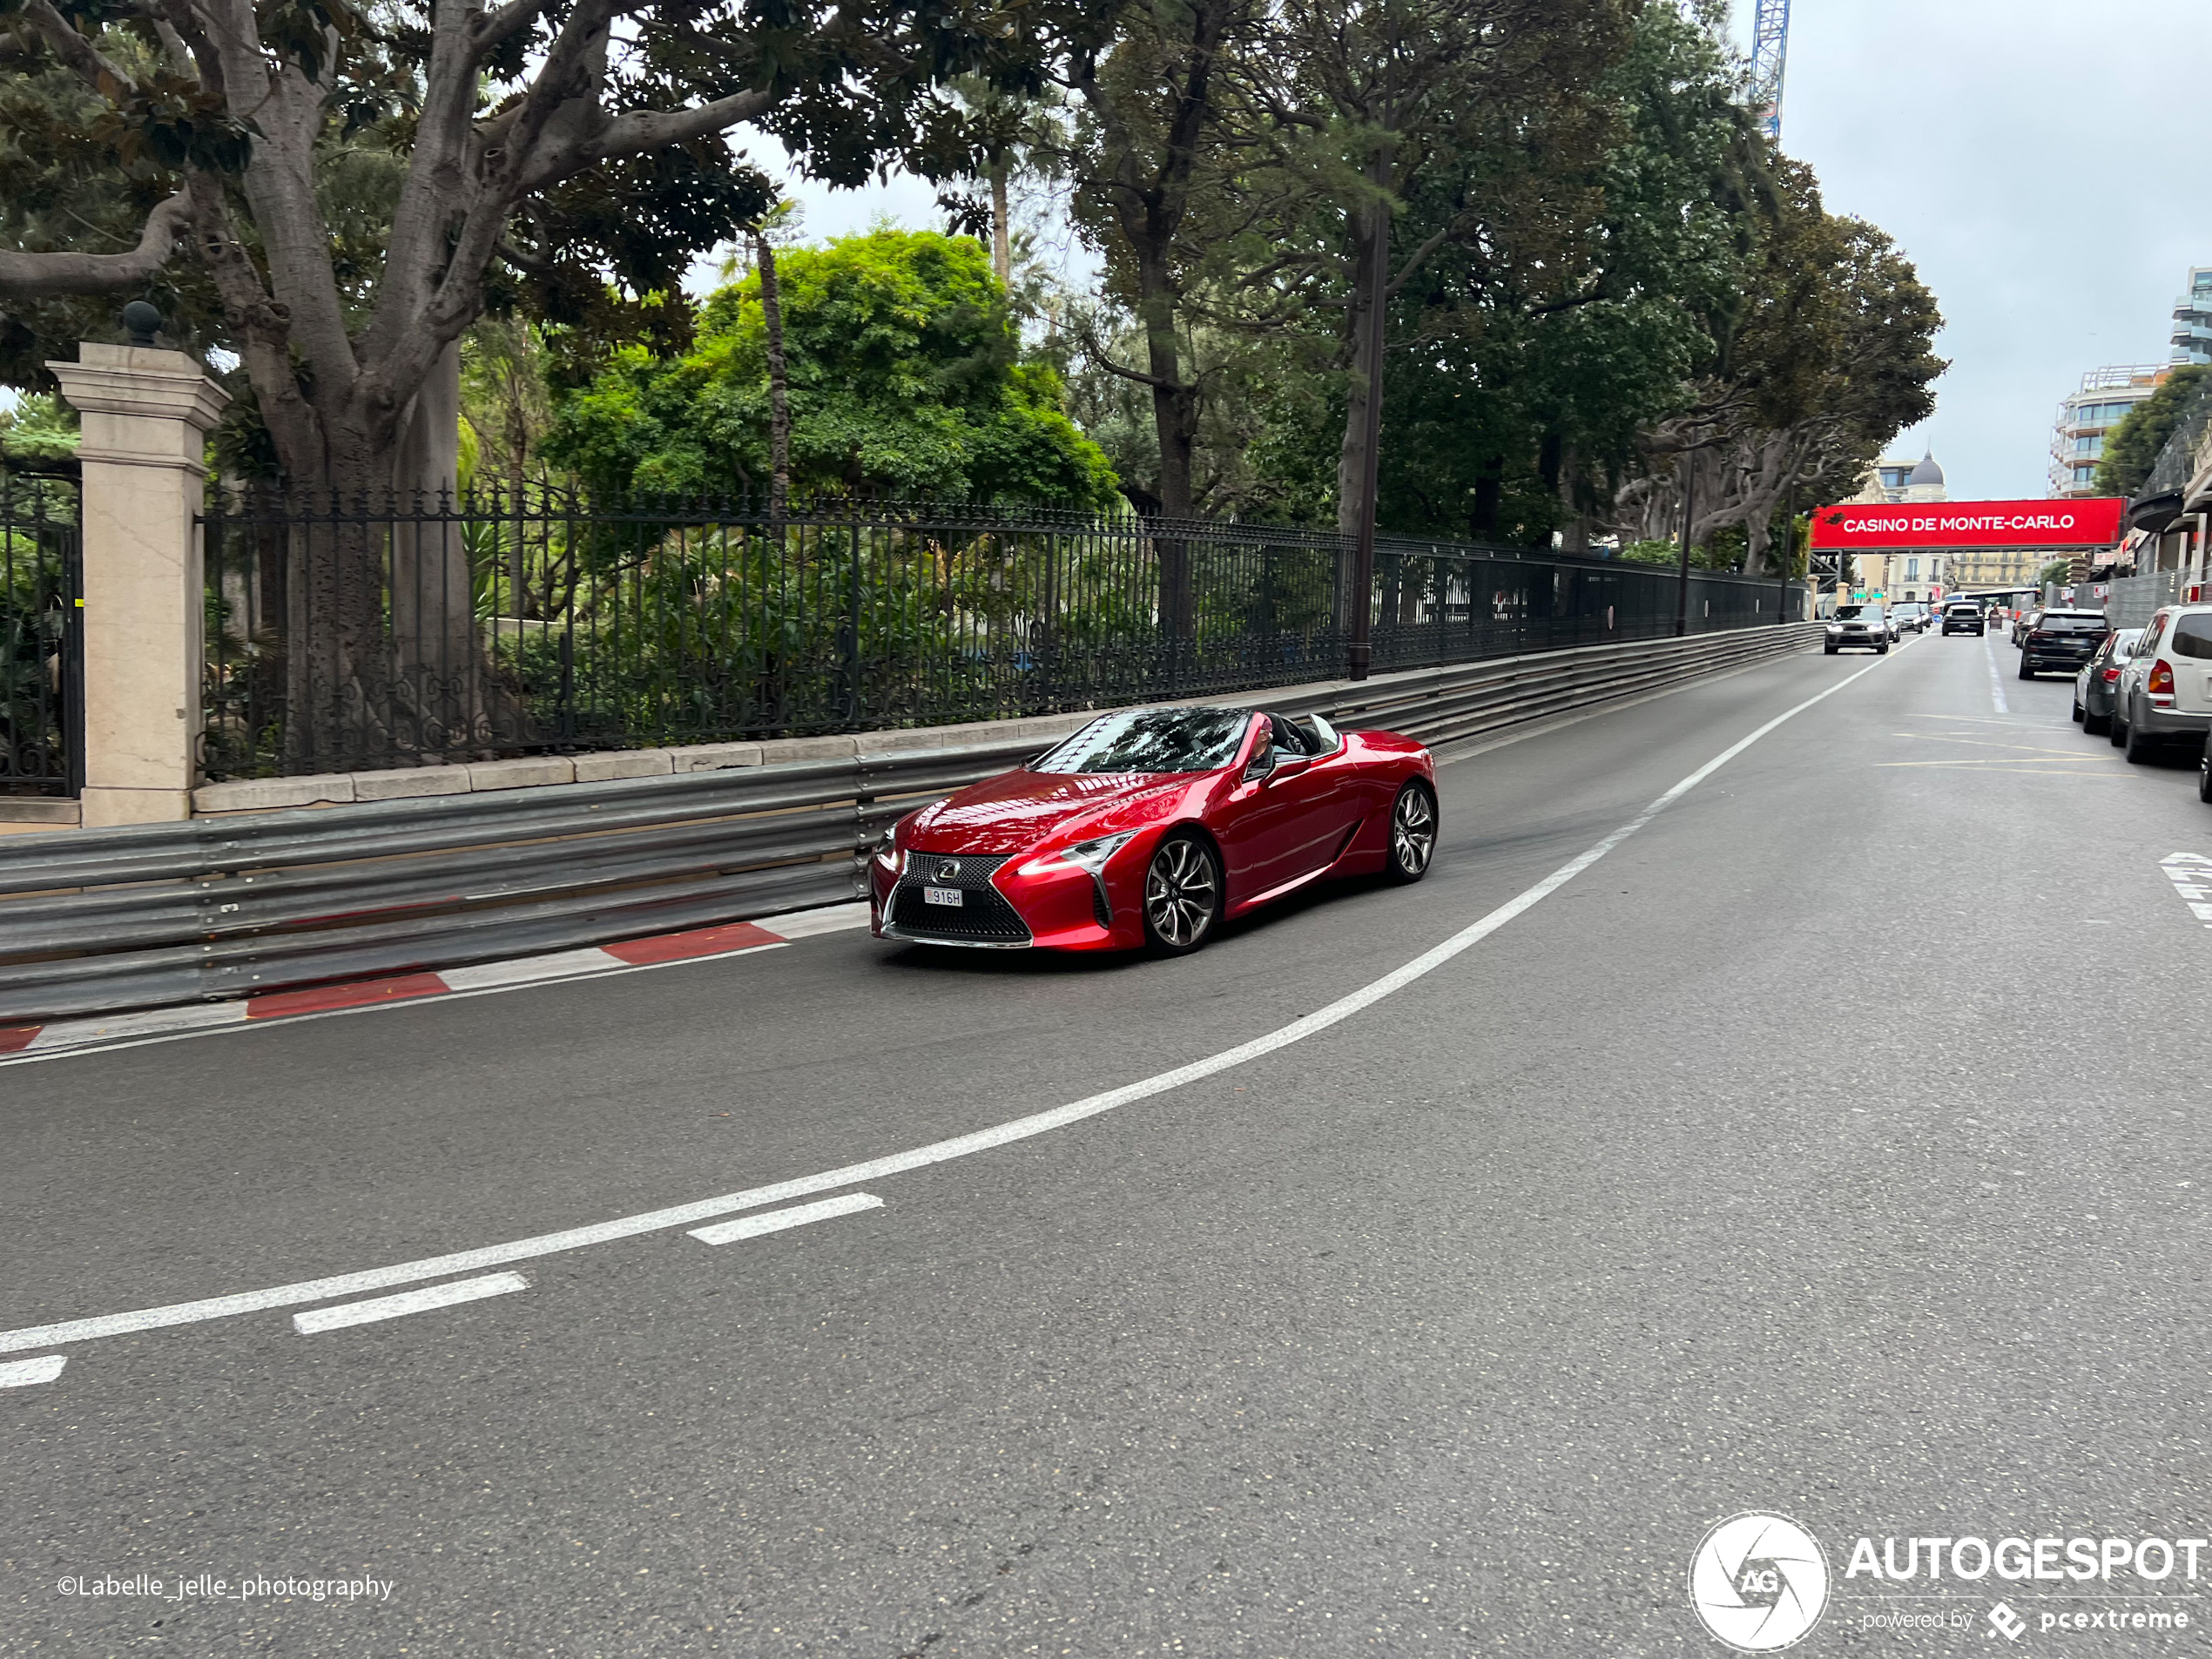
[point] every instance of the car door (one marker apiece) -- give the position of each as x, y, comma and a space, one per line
1281, 822
2138, 667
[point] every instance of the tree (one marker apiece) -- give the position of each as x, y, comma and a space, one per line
905, 380
2132, 448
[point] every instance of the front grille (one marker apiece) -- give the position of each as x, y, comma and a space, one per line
985, 917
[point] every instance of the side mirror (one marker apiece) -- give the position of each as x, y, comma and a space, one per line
1260, 766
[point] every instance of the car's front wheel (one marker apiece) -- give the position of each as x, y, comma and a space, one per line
1182, 895
1413, 831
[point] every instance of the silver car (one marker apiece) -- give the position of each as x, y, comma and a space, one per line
2096, 687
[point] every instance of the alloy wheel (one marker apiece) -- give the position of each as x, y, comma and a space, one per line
1182, 893
1413, 834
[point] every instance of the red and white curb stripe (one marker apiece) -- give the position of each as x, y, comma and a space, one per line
698, 944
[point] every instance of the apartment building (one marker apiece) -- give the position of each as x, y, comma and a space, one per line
2087, 416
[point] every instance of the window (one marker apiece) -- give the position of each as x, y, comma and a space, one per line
2192, 636
1151, 741
2091, 443
1912, 570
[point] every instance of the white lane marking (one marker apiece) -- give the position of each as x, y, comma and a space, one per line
27, 1373
391, 1307
805, 924
775, 1221
527, 970
1996, 685
2191, 875
192, 1018
853, 1174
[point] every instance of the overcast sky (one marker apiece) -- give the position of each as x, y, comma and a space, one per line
2042, 161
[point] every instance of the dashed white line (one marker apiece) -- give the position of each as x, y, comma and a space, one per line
391, 1307
854, 1175
27, 1373
1996, 682
728, 1233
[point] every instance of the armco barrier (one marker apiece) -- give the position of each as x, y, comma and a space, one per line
157, 914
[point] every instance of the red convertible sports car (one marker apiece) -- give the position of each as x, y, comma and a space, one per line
1150, 827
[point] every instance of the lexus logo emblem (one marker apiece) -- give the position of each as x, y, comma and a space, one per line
948, 869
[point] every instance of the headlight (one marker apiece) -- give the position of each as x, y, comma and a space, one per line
888, 853
1084, 855
1835, 627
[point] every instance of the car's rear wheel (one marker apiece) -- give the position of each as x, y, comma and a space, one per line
2117, 731
2204, 771
2079, 711
1182, 895
2138, 745
1413, 831
2095, 724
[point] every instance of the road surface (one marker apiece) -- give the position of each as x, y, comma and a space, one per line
1834, 1144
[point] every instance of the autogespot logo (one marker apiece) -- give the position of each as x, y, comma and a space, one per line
1759, 1582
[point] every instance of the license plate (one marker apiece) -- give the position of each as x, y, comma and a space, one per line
942, 896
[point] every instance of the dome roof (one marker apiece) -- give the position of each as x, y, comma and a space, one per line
1927, 472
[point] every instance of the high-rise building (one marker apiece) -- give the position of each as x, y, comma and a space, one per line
2086, 418
2192, 318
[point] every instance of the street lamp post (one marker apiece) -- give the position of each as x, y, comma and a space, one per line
1689, 517
1789, 536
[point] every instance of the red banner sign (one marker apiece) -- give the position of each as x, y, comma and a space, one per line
1932, 526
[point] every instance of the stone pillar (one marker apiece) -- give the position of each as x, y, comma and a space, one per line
145, 414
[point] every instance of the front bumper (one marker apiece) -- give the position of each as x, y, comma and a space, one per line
1018, 903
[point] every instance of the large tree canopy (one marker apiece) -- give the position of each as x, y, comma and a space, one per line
905, 380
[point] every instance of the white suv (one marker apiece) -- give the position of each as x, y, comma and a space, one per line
2165, 692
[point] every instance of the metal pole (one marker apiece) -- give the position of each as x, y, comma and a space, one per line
1360, 653
1688, 515
1789, 535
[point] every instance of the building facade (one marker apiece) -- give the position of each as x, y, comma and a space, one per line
2088, 415
1898, 578
2192, 318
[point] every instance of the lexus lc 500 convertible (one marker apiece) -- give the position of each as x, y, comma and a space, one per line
1151, 827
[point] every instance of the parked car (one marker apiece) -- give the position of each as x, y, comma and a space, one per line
2165, 691
1861, 627
1911, 616
2094, 687
2023, 621
2061, 641
1152, 828
1962, 616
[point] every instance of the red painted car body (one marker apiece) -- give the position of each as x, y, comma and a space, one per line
1002, 839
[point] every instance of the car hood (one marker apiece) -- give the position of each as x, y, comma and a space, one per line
1018, 809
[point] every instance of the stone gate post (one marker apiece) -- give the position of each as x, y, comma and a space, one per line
145, 414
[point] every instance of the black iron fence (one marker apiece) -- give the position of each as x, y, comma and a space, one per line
42, 690
348, 636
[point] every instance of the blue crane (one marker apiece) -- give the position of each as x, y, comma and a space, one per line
1769, 47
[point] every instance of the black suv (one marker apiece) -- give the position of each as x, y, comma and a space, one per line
1962, 616
2060, 642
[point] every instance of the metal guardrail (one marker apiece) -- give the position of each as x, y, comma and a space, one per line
220, 908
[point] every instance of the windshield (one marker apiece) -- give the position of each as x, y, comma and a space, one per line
2051, 622
1152, 740
1858, 613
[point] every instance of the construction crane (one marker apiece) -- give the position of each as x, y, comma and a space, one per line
1769, 47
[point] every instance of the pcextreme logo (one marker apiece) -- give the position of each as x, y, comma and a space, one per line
1759, 1582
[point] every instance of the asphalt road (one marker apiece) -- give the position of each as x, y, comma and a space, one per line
1834, 1145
